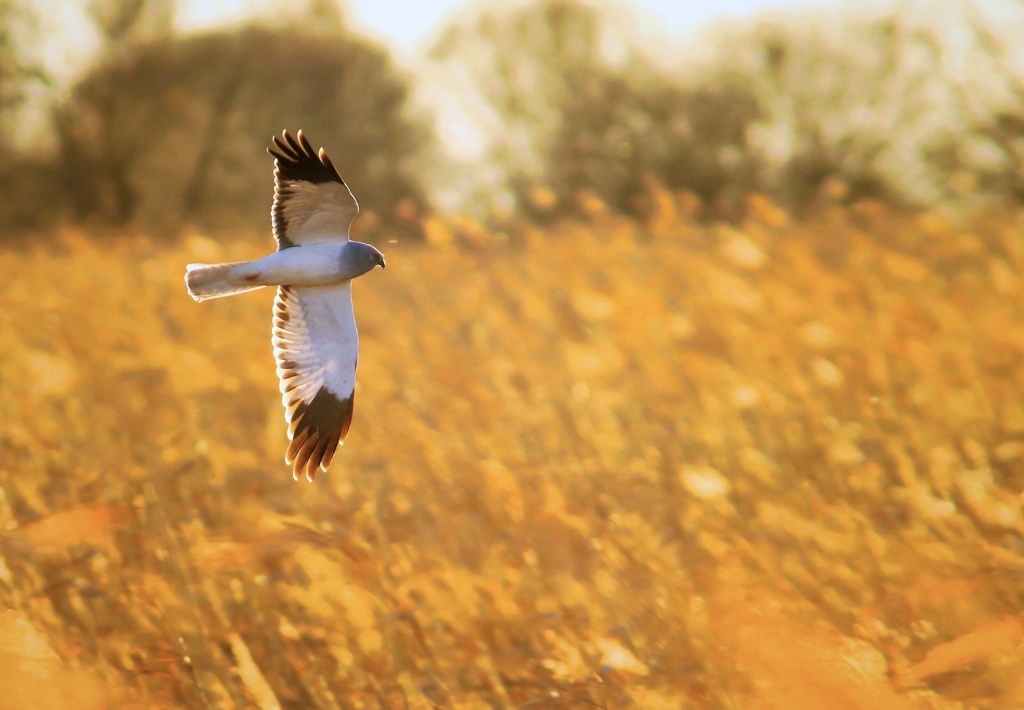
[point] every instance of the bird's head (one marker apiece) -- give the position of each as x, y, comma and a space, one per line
366, 257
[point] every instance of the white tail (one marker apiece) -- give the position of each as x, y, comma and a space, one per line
206, 281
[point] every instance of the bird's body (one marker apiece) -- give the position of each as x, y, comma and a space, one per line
316, 343
326, 264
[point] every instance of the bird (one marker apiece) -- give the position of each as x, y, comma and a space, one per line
316, 343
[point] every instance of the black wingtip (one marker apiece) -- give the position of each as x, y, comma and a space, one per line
296, 160
316, 430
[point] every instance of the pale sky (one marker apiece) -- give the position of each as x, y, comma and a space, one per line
407, 24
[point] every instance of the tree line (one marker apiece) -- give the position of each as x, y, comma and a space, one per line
166, 129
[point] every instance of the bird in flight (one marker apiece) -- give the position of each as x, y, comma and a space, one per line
316, 344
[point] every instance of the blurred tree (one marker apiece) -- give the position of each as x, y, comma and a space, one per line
516, 63
845, 100
621, 127
784, 105
572, 103
123, 22
24, 175
174, 130
18, 70
11, 71
985, 156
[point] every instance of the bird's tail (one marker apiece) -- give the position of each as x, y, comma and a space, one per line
206, 281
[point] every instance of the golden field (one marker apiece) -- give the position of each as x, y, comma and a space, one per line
597, 464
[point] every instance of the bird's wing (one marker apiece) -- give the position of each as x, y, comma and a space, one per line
312, 204
316, 346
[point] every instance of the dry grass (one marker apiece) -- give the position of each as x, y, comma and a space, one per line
608, 464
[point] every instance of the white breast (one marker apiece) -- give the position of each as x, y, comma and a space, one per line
313, 265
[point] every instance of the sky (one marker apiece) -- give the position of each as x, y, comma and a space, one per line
408, 24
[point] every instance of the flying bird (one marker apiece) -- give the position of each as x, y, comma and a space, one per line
316, 344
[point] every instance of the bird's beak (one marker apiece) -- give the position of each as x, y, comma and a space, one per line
382, 264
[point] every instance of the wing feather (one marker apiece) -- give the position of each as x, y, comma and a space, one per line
316, 346
312, 204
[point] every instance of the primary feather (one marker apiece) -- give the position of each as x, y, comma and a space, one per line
311, 202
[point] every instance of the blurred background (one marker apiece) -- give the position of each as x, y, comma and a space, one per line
155, 111
694, 380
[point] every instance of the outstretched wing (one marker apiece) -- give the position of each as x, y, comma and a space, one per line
316, 346
312, 204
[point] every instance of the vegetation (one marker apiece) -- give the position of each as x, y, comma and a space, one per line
165, 130
881, 100
769, 465
710, 419
173, 132
571, 102
24, 177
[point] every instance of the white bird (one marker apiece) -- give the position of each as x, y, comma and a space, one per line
315, 339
